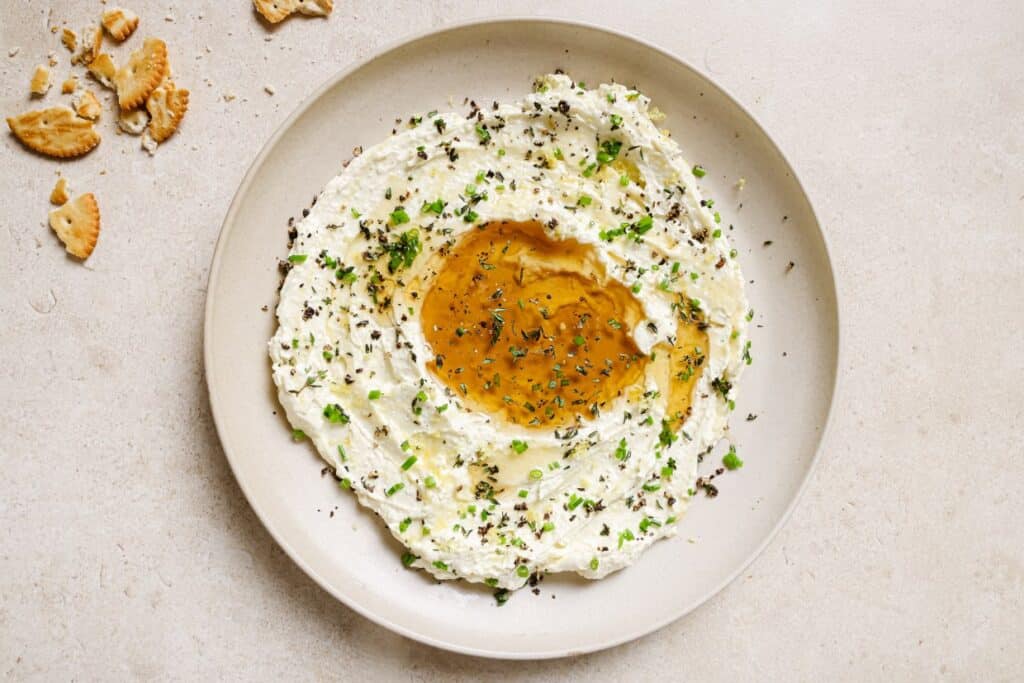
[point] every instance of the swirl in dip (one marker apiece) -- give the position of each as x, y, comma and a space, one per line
512, 334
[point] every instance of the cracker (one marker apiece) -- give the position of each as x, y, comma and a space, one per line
103, 70
120, 22
133, 122
275, 11
59, 195
87, 106
77, 224
70, 40
69, 86
56, 132
91, 45
166, 106
40, 81
138, 78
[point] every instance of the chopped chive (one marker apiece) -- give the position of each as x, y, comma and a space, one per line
536, 475
579, 340
699, 171
399, 216
395, 488
409, 462
298, 435
523, 493
345, 483
374, 394
594, 564
430, 482
519, 446
522, 571
298, 258
335, 414
404, 524
623, 180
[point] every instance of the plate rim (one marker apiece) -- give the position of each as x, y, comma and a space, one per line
213, 278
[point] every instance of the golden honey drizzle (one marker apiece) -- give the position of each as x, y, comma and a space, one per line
533, 330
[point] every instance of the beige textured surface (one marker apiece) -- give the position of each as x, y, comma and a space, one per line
127, 551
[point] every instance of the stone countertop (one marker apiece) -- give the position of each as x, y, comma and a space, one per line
127, 550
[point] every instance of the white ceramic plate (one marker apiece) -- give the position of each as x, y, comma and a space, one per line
790, 386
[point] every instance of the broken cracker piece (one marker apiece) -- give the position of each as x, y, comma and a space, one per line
59, 195
87, 106
56, 131
77, 224
70, 39
275, 11
133, 122
103, 70
138, 78
166, 106
91, 44
40, 81
148, 143
120, 22
316, 8
69, 86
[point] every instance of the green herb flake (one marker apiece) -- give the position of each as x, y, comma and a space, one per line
374, 394
731, 460
335, 414
399, 216
519, 446
436, 206
699, 171
409, 462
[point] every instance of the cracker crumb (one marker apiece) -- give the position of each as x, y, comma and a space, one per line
148, 143
270, 89
60, 193
69, 85
229, 96
40, 81
69, 39
13, 52
741, 183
